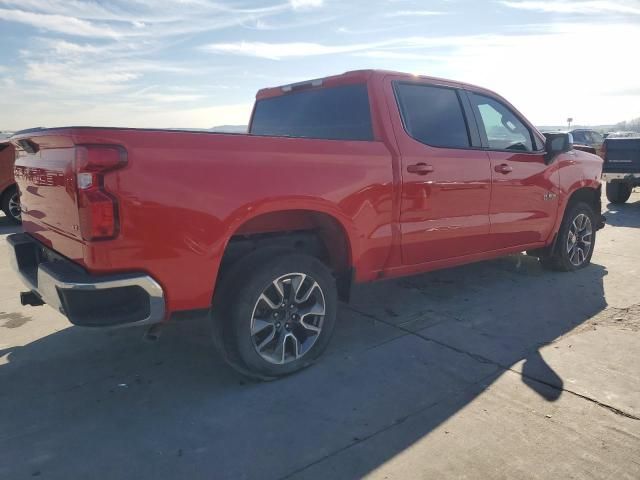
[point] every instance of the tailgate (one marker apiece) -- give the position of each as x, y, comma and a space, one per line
622, 155
44, 172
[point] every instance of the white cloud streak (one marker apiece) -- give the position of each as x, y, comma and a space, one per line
298, 4
59, 23
415, 13
576, 7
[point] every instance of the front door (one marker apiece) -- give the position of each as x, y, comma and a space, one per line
446, 177
524, 194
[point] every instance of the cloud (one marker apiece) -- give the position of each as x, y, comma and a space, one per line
415, 13
277, 51
58, 23
298, 4
494, 60
575, 7
136, 19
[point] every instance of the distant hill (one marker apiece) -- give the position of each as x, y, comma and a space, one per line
229, 129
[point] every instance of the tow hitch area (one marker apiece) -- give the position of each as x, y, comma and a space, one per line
30, 298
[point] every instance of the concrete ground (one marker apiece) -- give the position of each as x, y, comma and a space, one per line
492, 370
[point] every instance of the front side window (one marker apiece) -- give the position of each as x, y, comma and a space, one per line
503, 129
432, 115
596, 138
332, 113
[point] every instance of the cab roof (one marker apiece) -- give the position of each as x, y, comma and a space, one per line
350, 77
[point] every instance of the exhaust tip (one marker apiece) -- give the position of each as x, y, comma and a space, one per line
153, 333
31, 299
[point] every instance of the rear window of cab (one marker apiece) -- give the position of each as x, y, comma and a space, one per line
332, 113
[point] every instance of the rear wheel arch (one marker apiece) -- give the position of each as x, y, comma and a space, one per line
7, 204
317, 233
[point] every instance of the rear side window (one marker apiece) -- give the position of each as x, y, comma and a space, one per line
432, 115
335, 113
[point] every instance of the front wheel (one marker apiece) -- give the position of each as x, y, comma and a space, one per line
280, 313
575, 241
618, 192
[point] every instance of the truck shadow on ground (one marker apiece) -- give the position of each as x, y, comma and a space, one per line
417, 350
7, 226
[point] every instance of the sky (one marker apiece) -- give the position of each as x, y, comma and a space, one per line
199, 63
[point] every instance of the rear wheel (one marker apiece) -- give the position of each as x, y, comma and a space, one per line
278, 312
11, 205
575, 241
618, 192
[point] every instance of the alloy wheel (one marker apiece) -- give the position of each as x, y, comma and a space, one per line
579, 240
14, 207
287, 318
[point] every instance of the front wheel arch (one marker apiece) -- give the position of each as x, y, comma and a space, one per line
556, 258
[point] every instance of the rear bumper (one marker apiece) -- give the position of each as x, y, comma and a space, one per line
87, 300
632, 177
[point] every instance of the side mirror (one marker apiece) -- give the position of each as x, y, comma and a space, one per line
555, 144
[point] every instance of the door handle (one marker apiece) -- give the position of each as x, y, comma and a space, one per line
503, 168
420, 168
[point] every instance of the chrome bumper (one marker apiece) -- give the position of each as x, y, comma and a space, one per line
87, 300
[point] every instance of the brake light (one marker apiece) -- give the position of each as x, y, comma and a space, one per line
97, 208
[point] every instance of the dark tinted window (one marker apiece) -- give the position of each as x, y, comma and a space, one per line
579, 137
432, 115
337, 113
504, 130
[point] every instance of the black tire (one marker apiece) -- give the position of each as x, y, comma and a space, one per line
237, 300
618, 192
9, 197
564, 259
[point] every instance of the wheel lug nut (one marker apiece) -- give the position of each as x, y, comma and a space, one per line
278, 325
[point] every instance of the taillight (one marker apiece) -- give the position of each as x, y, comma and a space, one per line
98, 209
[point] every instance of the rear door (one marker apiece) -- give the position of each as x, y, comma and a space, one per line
446, 179
524, 193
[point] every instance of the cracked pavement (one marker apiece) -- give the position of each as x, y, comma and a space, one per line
492, 370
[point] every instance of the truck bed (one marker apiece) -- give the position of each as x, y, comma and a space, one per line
190, 189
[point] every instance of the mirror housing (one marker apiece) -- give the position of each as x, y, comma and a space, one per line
555, 144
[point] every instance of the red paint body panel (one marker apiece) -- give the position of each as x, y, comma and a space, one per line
183, 195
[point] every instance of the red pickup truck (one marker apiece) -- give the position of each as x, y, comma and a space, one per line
358, 177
